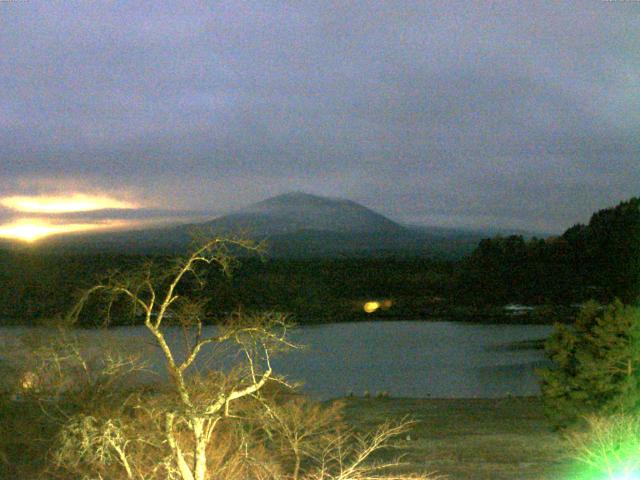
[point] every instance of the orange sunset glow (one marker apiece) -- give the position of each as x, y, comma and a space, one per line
33, 229
77, 202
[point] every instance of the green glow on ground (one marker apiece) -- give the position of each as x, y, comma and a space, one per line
608, 449
626, 476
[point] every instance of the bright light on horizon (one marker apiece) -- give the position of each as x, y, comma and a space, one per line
52, 204
371, 307
31, 230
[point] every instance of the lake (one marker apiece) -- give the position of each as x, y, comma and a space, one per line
403, 358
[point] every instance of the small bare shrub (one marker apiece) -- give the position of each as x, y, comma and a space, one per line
93, 442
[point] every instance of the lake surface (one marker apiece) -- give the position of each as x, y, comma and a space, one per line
403, 358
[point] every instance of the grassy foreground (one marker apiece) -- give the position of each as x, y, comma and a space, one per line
471, 439
460, 439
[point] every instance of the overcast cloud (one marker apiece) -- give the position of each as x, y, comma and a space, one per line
522, 114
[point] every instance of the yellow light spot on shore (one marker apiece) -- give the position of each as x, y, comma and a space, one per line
371, 307
32, 230
77, 202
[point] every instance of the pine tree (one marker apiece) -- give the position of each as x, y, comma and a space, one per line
596, 364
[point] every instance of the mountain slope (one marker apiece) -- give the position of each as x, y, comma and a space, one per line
296, 212
294, 225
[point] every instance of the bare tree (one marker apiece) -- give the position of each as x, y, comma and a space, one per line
302, 428
207, 422
163, 299
323, 447
347, 455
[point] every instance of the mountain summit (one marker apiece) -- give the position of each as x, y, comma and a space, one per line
298, 211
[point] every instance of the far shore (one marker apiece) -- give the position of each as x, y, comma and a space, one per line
490, 315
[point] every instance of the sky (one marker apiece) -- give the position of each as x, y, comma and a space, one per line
466, 114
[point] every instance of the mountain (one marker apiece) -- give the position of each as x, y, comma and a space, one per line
294, 225
300, 225
297, 212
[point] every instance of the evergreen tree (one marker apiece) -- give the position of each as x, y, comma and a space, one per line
596, 364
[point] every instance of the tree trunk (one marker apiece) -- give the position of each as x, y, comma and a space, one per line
296, 468
183, 467
200, 454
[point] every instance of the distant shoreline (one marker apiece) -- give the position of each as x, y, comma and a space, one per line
551, 315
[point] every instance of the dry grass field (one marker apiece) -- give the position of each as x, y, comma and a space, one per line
471, 439
460, 439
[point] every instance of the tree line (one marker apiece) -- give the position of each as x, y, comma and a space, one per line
600, 260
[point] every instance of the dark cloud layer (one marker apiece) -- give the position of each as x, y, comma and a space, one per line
458, 113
